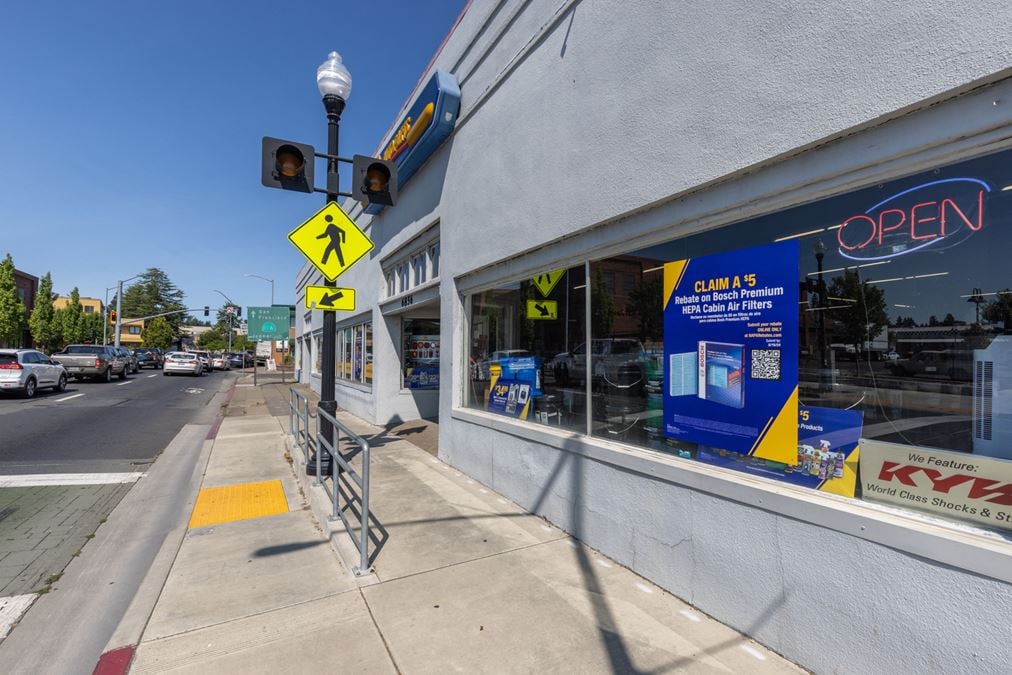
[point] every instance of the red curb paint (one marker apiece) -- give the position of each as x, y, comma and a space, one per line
115, 662
230, 394
214, 429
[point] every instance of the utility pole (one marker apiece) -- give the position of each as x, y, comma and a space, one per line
119, 303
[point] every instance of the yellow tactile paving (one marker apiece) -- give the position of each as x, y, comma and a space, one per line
224, 504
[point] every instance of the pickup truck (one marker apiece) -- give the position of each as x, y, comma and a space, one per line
97, 361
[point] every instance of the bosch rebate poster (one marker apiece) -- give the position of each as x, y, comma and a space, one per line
827, 453
731, 351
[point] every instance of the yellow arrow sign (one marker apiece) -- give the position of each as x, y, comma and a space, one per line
330, 298
546, 281
542, 309
331, 241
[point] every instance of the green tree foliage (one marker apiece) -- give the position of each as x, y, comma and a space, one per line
860, 312
70, 322
91, 327
157, 333
999, 310
12, 310
212, 340
647, 303
42, 321
153, 293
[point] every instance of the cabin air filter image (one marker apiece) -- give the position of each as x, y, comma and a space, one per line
720, 373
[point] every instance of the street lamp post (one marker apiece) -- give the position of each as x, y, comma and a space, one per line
334, 82
230, 306
265, 279
119, 303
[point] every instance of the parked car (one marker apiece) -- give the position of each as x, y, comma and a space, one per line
219, 362
205, 359
956, 364
27, 370
237, 360
186, 363
96, 361
148, 358
131, 358
608, 357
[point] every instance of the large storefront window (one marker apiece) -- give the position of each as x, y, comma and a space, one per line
354, 353
526, 341
860, 345
421, 353
317, 353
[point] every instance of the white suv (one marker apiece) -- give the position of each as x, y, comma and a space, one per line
27, 370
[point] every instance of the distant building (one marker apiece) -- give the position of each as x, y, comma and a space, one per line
88, 305
28, 288
130, 332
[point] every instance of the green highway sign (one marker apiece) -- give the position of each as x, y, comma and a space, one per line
267, 323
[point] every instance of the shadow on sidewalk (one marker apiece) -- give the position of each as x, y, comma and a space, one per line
285, 548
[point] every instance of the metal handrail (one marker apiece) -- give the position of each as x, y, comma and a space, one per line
338, 465
298, 421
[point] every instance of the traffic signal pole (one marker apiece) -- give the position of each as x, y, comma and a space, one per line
119, 301
334, 105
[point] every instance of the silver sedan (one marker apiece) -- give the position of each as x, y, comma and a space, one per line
182, 362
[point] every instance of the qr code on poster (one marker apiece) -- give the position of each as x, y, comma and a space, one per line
765, 364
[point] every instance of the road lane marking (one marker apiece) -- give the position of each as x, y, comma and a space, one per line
11, 609
150, 376
126, 382
45, 479
67, 398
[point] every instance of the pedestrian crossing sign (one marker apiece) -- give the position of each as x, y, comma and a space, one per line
546, 281
330, 298
331, 241
542, 309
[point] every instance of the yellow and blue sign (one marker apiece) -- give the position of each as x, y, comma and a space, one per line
425, 126
827, 453
730, 351
514, 383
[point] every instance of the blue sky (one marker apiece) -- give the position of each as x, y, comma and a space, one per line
131, 131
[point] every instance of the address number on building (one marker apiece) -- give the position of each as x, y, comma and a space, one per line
407, 301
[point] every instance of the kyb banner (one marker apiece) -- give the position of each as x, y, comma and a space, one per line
957, 485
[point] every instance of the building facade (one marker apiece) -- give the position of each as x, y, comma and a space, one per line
28, 287
642, 279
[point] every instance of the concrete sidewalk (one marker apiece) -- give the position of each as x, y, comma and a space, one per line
462, 580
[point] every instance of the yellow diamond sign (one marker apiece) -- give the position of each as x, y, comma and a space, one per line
331, 241
546, 281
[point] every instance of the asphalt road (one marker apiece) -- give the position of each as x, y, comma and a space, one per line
110, 427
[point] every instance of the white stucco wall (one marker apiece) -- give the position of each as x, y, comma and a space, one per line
587, 130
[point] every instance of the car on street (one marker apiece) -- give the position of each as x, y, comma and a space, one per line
148, 358
100, 362
219, 363
205, 359
184, 363
237, 360
26, 371
131, 359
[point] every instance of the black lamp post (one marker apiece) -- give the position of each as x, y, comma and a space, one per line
334, 82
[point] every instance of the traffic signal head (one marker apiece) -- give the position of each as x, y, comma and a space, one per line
207, 310
286, 165
374, 180
112, 316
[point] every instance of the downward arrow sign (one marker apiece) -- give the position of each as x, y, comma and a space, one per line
542, 309
329, 299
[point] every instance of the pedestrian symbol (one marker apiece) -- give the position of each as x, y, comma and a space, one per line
331, 241
542, 309
330, 298
546, 281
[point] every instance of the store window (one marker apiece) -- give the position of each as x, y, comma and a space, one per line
526, 341
420, 354
860, 345
354, 353
391, 285
434, 260
419, 266
317, 354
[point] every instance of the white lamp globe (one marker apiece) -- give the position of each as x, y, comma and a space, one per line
333, 78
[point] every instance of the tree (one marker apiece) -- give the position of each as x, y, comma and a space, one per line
602, 307
861, 312
42, 321
212, 340
69, 321
91, 327
12, 310
157, 333
153, 293
647, 303
999, 310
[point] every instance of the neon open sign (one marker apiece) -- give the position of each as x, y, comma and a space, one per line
939, 214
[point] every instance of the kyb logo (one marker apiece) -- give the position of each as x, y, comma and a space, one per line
924, 477
935, 215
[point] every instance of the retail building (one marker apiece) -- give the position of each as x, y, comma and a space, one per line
784, 230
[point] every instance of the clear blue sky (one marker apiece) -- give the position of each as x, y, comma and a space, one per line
131, 130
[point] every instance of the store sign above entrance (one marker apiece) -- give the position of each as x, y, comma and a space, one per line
934, 216
426, 125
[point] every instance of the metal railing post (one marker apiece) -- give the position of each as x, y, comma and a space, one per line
363, 546
319, 450
305, 424
334, 469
